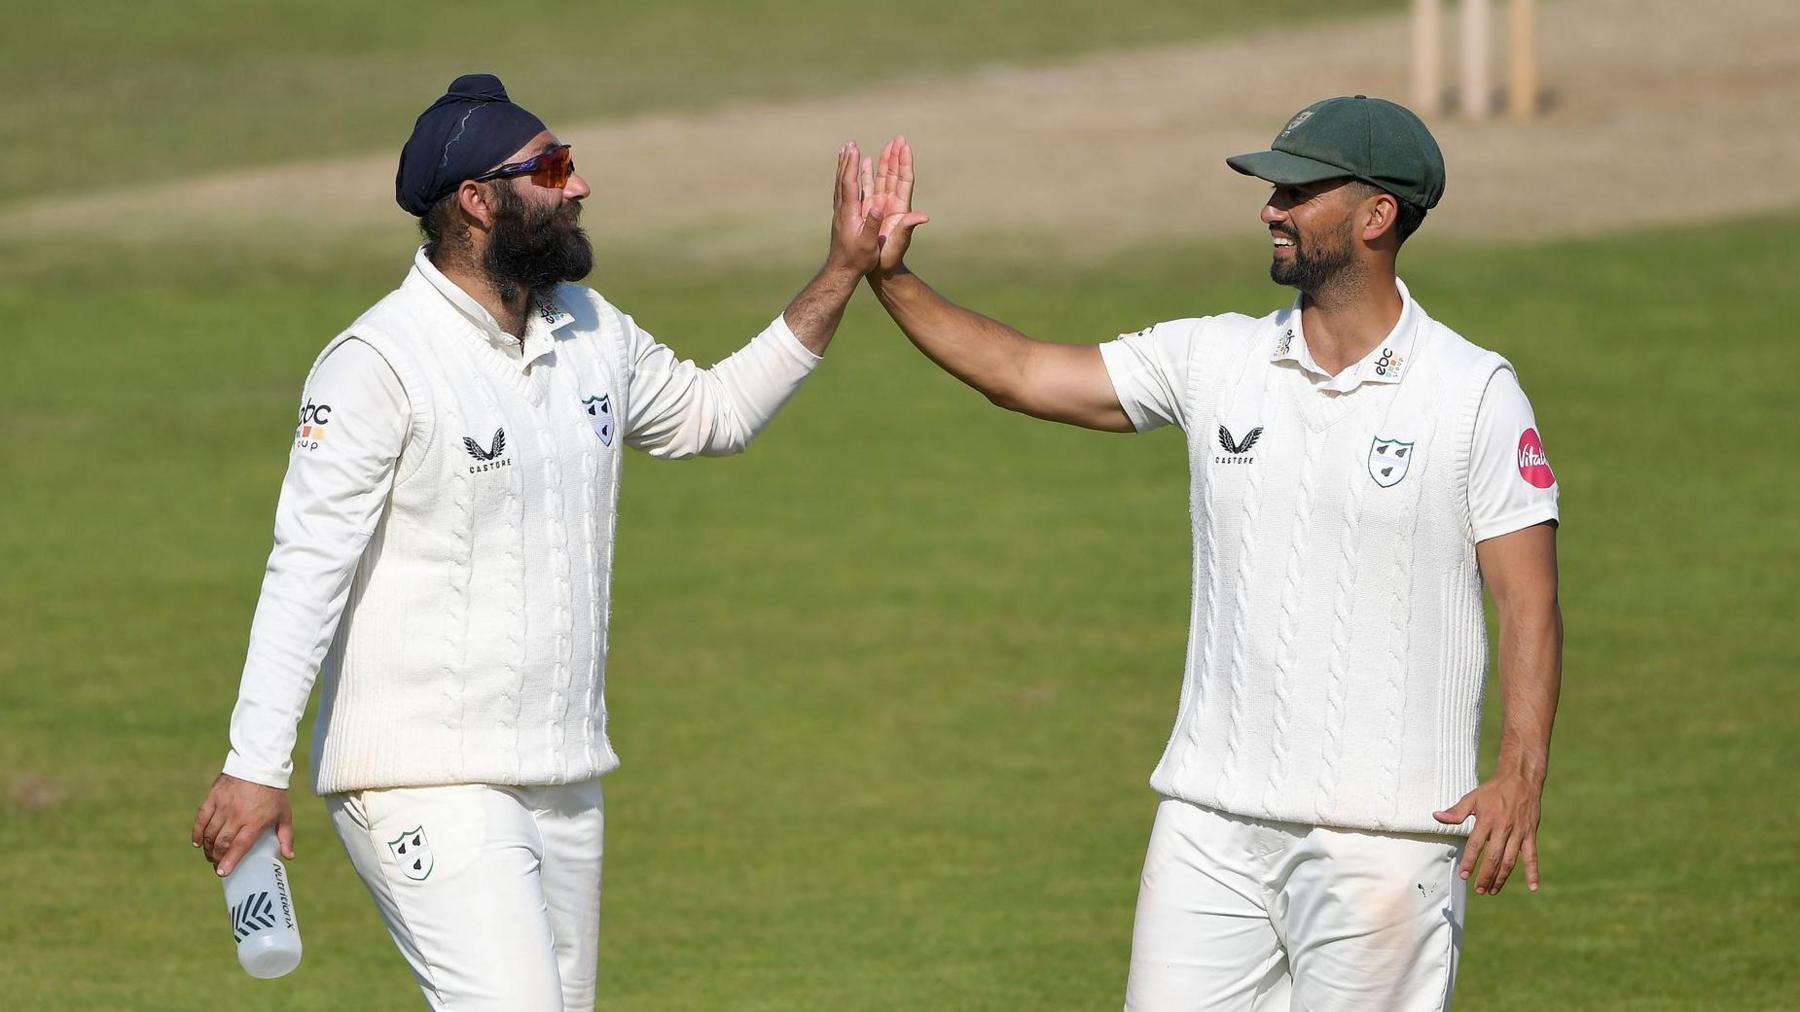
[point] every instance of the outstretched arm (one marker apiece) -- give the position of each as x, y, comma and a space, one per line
676, 409
815, 313
1059, 382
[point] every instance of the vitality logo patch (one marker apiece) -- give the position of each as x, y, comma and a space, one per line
1237, 452
1389, 460
490, 457
313, 419
1534, 466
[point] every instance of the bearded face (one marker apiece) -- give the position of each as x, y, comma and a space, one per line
1319, 253
533, 248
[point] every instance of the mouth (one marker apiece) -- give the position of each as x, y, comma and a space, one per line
1283, 245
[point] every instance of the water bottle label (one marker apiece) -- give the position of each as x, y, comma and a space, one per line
255, 913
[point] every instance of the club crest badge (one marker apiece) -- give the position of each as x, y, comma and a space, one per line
600, 416
1389, 460
412, 852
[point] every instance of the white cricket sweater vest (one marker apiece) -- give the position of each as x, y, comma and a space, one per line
1337, 648
473, 644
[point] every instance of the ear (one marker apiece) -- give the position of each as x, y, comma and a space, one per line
475, 202
1379, 214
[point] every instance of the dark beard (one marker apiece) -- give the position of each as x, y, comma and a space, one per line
1312, 269
534, 249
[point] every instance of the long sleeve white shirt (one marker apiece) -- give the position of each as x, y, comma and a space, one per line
369, 419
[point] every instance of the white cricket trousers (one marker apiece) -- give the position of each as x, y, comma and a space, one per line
491, 892
1249, 914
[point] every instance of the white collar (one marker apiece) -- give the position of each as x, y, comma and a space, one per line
1385, 364
544, 319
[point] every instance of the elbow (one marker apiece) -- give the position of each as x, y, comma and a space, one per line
728, 446
1008, 386
730, 436
1006, 397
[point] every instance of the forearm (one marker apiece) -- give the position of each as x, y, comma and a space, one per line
271, 700
680, 410
304, 592
982, 352
1530, 684
815, 313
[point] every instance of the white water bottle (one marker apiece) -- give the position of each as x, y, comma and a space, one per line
262, 912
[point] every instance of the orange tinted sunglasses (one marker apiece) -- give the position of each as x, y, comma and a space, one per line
550, 170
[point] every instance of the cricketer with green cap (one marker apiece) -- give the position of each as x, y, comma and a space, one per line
1364, 138
1359, 472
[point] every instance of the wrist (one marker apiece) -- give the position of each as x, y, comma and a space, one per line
882, 276
1532, 770
840, 271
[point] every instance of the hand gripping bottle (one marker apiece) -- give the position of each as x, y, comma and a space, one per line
262, 912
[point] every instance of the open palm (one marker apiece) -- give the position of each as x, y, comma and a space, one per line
853, 222
890, 203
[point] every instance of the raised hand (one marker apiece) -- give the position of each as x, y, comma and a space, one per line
853, 246
891, 205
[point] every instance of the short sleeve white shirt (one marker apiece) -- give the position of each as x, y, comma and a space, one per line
1511, 485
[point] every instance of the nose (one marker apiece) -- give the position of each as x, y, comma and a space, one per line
576, 188
1272, 214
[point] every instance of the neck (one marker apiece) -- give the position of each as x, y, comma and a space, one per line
1350, 315
509, 307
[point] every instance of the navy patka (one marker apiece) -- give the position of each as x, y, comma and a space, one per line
471, 129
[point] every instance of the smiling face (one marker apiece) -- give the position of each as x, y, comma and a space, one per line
1312, 229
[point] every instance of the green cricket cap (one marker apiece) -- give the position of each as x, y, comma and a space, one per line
1371, 139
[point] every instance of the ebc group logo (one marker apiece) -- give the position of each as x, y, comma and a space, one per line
313, 419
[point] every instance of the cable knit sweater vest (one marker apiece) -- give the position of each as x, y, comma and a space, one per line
473, 644
1337, 649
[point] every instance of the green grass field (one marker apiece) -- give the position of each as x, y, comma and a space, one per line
888, 688
152, 91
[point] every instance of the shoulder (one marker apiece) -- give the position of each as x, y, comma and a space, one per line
1224, 326
1457, 359
397, 326
381, 347
352, 354
591, 311
1188, 333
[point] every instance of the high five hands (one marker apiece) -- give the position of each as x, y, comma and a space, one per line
872, 215
891, 206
